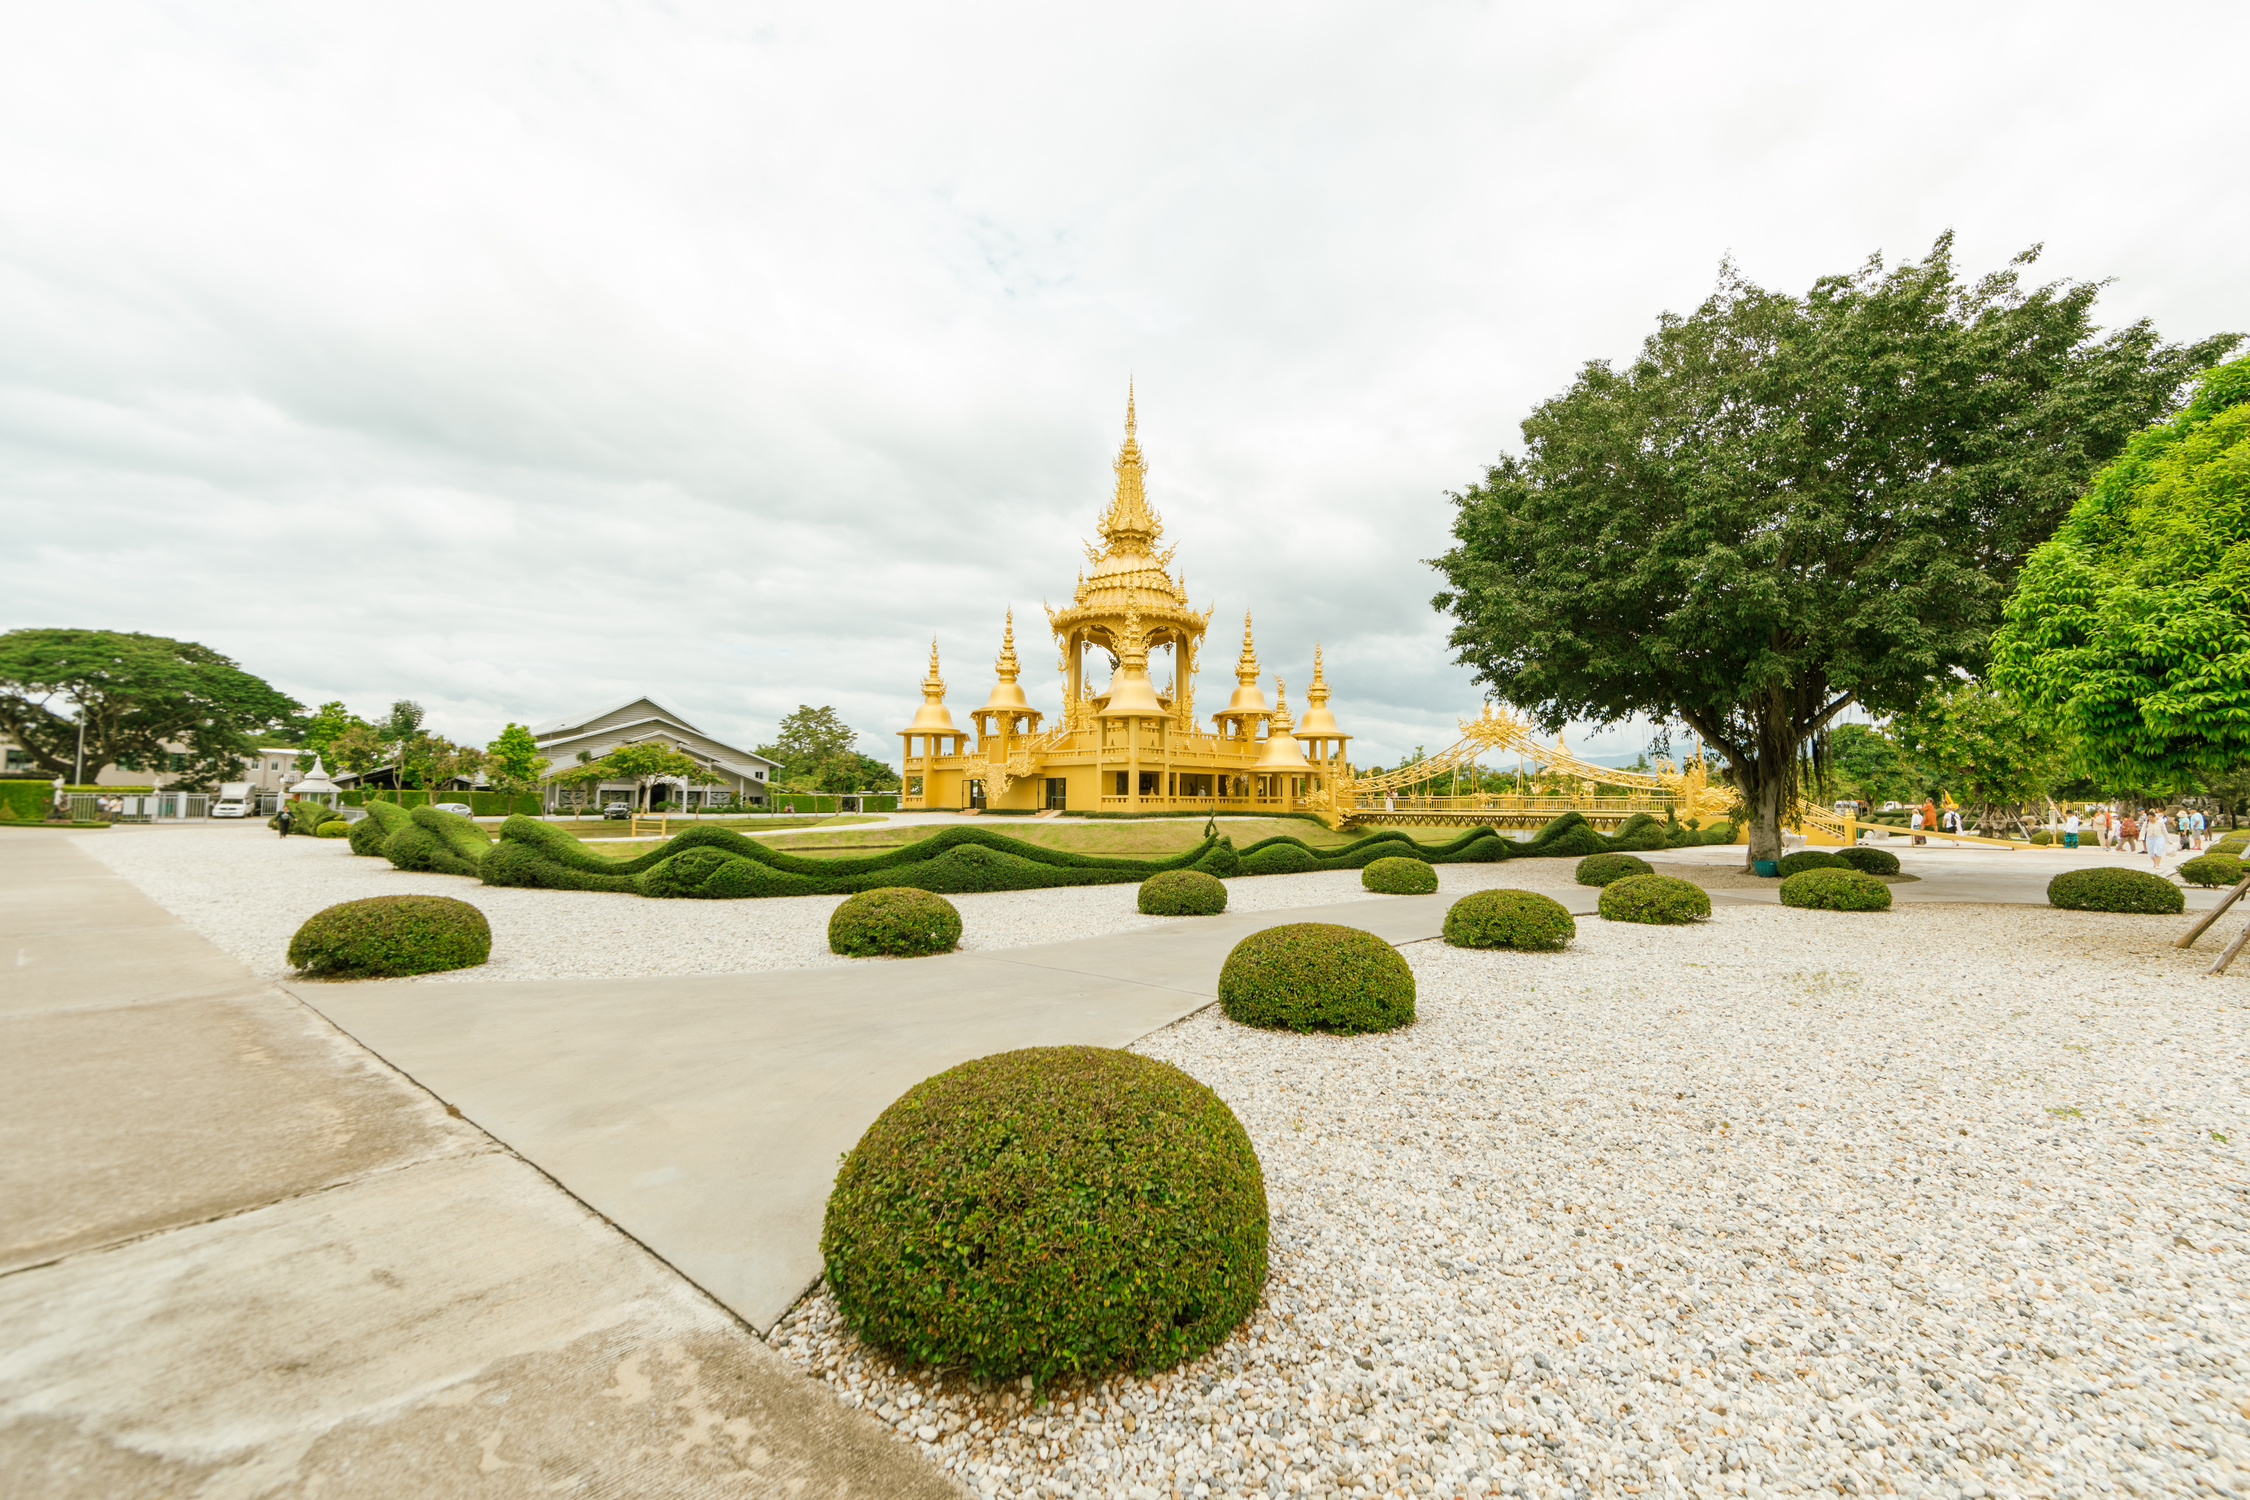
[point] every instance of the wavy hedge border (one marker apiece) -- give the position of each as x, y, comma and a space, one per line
720, 864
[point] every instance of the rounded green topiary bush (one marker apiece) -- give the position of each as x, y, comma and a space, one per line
1835, 890
367, 836
1869, 861
1053, 1211
1399, 875
1183, 893
894, 921
2107, 888
1808, 859
2212, 869
334, 828
1316, 976
1522, 920
383, 937
1601, 869
1654, 898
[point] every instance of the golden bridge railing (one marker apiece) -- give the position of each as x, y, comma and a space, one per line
1526, 806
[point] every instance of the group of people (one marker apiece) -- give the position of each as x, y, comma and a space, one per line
2157, 834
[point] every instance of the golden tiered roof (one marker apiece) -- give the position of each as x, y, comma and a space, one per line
1127, 581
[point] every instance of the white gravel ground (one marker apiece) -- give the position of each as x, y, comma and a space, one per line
1945, 1201
248, 890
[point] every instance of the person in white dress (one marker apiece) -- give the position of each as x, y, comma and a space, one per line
2153, 839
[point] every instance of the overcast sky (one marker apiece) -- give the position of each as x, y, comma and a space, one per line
522, 358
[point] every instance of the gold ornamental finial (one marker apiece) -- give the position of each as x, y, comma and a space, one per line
1129, 525
1007, 665
1246, 665
932, 717
933, 686
1282, 724
1317, 694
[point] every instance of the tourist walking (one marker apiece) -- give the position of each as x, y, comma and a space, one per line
1952, 820
281, 820
2156, 842
2102, 833
2070, 831
1915, 822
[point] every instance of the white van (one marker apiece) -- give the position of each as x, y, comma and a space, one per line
234, 800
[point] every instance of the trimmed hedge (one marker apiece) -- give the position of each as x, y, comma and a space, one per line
1835, 890
888, 922
1654, 898
1316, 976
2108, 888
1522, 920
2212, 869
1051, 1211
1601, 869
1809, 859
1183, 893
386, 936
1869, 861
372, 832
2041, 836
1399, 875
334, 828
442, 843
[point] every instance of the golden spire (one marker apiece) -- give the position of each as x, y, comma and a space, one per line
1007, 697
1129, 525
1281, 751
1007, 665
932, 716
1246, 665
1248, 704
1319, 722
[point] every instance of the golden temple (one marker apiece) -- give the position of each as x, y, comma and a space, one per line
1130, 747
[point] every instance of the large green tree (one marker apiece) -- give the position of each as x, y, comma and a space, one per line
817, 751
1791, 504
1984, 748
644, 764
513, 760
140, 696
2133, 624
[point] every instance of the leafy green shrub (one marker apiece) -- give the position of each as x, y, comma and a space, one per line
1640, 831
1869, 861
1399, 875
1835, 889
2212, 869
1654, 898
308, 818
1809, 859
1523, 920
1601, 869
1316, 976
1717, 833
333, 828
893, 921
2107, 888
2041, 836
441, 842
1279, 856
372, 832
1183, 893
1581, 840
1052, 1211
385, 936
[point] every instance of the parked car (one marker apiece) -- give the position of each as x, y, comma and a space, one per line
617, 810
462, 808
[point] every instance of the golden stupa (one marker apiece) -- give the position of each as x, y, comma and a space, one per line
1131, 747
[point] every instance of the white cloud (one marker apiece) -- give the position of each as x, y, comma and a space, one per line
516, 358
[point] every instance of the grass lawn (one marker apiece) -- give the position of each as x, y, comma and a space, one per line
1151, 840
604, 828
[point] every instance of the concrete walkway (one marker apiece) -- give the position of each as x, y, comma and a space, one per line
241, 1257
705, 1114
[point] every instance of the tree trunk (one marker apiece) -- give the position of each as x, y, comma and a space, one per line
1762, 796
